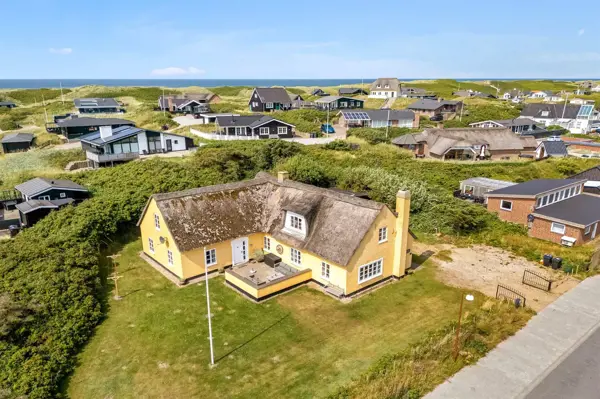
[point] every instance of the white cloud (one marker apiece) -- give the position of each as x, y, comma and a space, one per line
580, 32
177, 71
61, 51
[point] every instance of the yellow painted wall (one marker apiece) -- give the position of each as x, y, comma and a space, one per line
241, 284
148, 230
337, 273
371, 250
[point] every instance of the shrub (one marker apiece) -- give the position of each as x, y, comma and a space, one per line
31, 96
306, 170
306, 120
229, 90
379, 135
340, 145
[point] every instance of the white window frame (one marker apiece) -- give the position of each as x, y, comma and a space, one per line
325, 270
383, 234
577, 190
240, 130
269, 105
295, 223
63, 195
506, 201
263, 131
170, 257
587, 230
370, 270
282, 130
295, 257
44, 197
212, 257
157, 221
267, 243
151, 245
554, 227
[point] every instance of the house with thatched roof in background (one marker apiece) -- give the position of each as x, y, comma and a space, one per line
466, 143
268, 235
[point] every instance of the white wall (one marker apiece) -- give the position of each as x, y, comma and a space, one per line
378, 93
142, 142
178, 142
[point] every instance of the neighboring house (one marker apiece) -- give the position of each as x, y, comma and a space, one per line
515, 94
555, 210
17, 142
517, 125
271, 234
7, 104
379, 118
586, 84
295, 97
188, 103
477, 187
472, 93
351, 91
385, 88
595, 89
553, 98
254, 127
210, 117
125, 143
74, 127
41, 188
575, 118
551, 149
318, 92
31, 212
582, 92
338, 102
581, 101
540, 94
463, 144
592, 177
429, 108
267, 99
97, 105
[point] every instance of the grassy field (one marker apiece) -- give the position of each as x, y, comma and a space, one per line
301, 344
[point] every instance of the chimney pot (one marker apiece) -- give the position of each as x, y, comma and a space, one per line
281, 176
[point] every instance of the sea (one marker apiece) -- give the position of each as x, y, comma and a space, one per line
68, 83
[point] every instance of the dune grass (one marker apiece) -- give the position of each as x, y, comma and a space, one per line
302, 344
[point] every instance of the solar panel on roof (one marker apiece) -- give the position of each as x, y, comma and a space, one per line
585, 111
355, 116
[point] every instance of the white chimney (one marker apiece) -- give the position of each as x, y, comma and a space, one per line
105, 132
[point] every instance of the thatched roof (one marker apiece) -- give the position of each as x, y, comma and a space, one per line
497, 139
336, 222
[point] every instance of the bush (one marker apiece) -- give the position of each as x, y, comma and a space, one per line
231, 91
32, 96
379, 135
60, 159
340, 145
306, 170
305, 120
224, 107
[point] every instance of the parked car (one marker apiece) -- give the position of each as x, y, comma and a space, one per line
325, 128
437, 118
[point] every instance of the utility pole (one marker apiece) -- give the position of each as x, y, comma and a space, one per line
62, 97
210, 336
162, 103
115, 277
44, 104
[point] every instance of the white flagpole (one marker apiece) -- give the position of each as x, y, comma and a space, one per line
210, 336
163, 101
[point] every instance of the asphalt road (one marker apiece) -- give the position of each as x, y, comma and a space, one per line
577, 376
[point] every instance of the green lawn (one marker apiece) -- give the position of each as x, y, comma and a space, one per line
302, 344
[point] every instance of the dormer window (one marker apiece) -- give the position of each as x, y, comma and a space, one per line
545, 113
387, 86
379, 86
295, 223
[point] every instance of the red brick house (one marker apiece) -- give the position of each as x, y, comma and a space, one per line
556, 210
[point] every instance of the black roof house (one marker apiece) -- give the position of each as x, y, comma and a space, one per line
7, 104
551, 111
548, 148
17, 142
51, 189
75, 127
531, 188
318, 92
31, 212
259, 126
96, 105
592, 175
350, 91
267, 99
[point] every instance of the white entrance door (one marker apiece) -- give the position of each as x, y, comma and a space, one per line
594, 231
240, 250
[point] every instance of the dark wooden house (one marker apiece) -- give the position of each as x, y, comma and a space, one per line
17, 142
254, 126
74, 128
51, 189
7, 104
267, 99
97, 105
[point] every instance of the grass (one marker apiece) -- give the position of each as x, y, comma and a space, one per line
301, 344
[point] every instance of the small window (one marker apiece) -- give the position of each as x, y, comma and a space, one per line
379, 86
210, 257
44, 197
151, 245
571, 191
578, 190
269, 105
544, 200
175, 141
557, 228
295, 222
469, 189
296, 256
587, 229
63, 195
282, 130
325, 270
170, 257
382, 234
263, 130
267, 243
551, 200
506, 205
538, 202
370, 271
156, 221
545, 113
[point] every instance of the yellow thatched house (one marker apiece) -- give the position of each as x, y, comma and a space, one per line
271, 234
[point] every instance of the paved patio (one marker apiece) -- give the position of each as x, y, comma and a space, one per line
259, 273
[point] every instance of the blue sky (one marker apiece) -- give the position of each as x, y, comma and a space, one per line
305, 39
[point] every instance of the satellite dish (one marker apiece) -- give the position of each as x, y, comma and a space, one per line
530, 217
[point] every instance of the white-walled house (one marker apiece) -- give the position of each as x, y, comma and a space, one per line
540, 94
575, 118
385, 88
125, 143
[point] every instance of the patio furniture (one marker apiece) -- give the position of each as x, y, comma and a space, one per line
272, 260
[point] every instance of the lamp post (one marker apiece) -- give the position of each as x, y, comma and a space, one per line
469, 298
